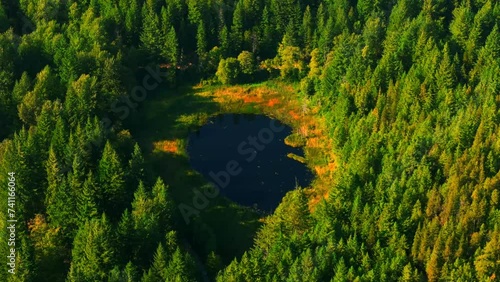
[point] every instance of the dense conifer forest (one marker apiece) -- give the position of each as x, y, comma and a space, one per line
409, 89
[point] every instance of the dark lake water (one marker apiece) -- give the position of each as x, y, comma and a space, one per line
245, 155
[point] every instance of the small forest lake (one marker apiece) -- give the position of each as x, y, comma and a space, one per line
246, 157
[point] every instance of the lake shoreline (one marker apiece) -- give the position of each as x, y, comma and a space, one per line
162, 127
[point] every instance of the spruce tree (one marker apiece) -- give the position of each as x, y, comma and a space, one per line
93, 254
160, 264
151, 36
86, 199
307, 31
111, 181
171, 53
136, 171
162, 201
237, 28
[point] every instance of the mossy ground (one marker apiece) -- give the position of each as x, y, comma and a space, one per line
164, 121
295, 140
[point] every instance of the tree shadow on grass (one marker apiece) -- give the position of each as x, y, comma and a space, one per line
223, 227
170, 114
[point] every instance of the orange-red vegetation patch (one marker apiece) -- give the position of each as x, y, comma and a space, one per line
315, 199
273, 102
294, 115
252, 99
332, 166
42, 234
265, 92
168, 146
313, 202
322, 170
316, 131
304, 130
280, 103
260, 96
314, 142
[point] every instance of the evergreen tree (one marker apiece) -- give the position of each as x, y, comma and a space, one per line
268, 41
46, 121
135, 168
111, 181
126, 237
4, 22
237, 28
46, 88
146, 219
225, 41
80, 100
180, 267
93, 253
171, 52
61, 208
163, 204
307, 31
86, 201
160, 264
488, 261
201, 43
151, 36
